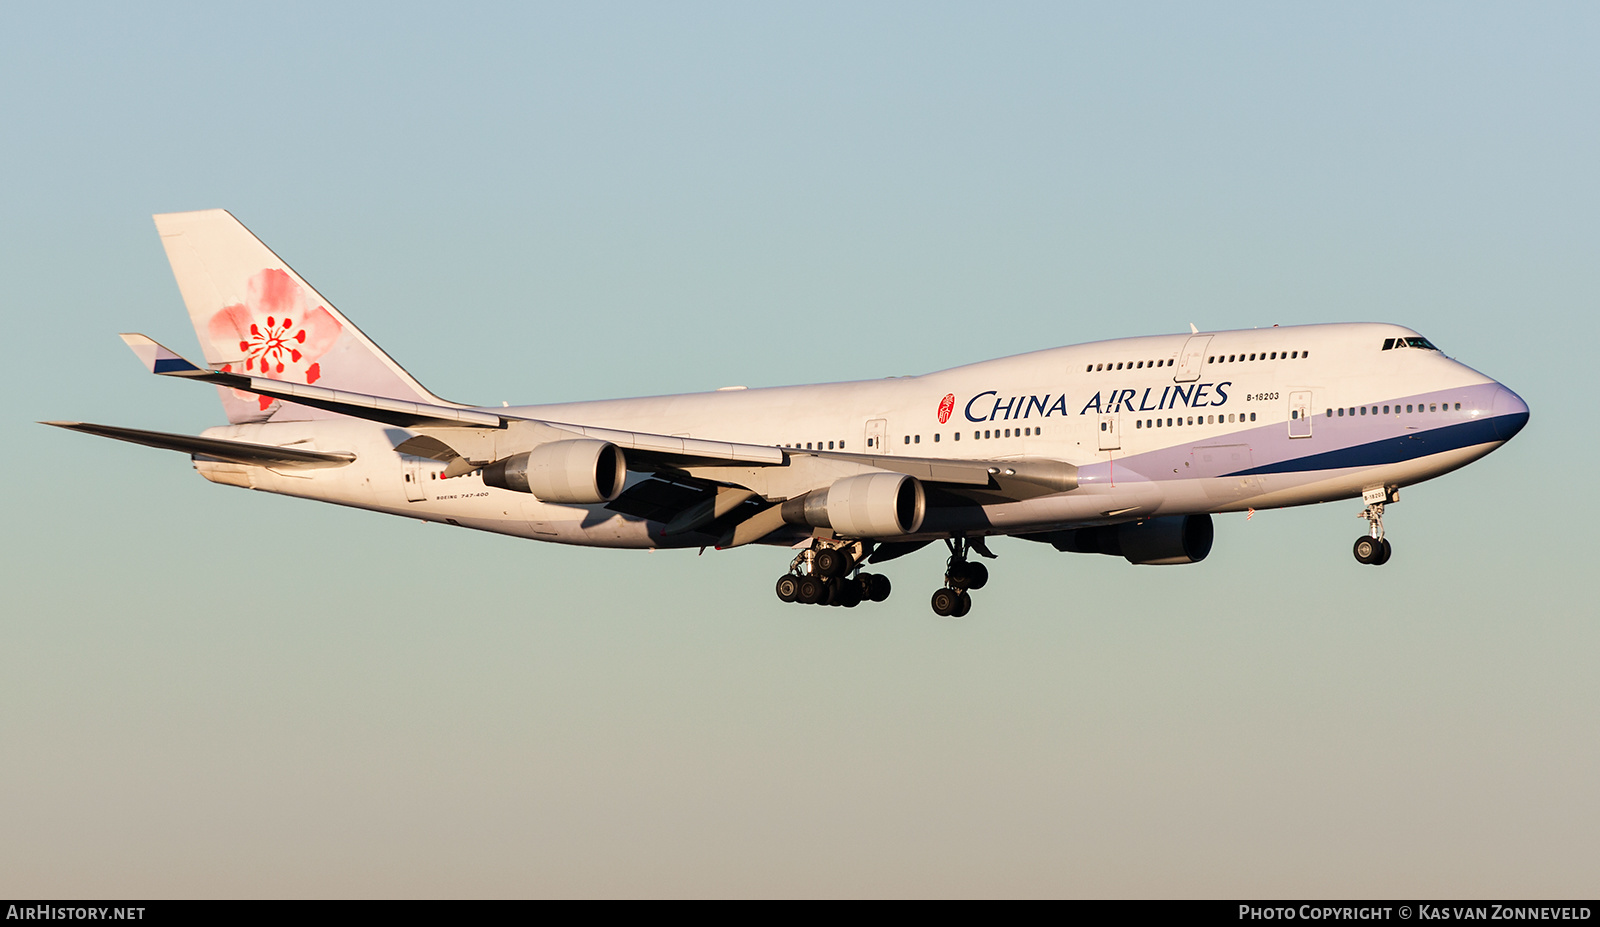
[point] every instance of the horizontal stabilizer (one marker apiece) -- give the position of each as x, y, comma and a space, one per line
244, 452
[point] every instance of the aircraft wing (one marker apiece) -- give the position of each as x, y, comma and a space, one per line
428, 417
266, 455
466, 438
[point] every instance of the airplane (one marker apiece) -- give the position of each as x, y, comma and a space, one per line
1124, 447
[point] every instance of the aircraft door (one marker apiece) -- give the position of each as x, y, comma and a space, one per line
411, 468
877, 431
1192, 359
1300, 414
1110, 434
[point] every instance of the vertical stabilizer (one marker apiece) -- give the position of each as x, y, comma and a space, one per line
254, 315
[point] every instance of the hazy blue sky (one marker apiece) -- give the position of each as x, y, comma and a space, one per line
205, 691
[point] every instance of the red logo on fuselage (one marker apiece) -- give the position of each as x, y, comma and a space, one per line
946, 406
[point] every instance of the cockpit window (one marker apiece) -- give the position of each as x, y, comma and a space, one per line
1390, 344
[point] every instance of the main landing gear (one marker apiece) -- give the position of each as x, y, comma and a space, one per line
821, 575
1373, 548
954, 601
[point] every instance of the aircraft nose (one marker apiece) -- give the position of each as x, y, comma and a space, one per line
1510, 413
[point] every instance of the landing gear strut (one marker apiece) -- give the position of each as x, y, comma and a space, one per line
822, 575
960, 575
1373, 548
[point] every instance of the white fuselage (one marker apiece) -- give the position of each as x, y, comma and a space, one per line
1160, 425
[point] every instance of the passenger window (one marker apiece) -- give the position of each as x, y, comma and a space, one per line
1252, 416
1102, 426
1458, 407
1137, 423
986, 434
869, 441
1211, 360
917, 440
1385, 410
1089, 369
908, 440
1330, 413
958, 436
935, 438
1363, 410
1432, 407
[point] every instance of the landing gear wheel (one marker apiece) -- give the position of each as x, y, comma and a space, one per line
788, 587
849, 595
810, 591
963, 605
977, 576
945, 602
877, 587
830, 562
1374, 549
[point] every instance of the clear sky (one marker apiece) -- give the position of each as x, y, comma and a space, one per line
205, 691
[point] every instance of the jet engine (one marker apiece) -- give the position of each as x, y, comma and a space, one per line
870, 505
1164, 540
583, 472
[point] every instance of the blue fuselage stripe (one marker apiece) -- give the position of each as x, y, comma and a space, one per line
1399, 448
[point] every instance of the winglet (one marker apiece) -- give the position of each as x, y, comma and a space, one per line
158, 359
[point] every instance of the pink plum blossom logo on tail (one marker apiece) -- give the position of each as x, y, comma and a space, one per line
276, 333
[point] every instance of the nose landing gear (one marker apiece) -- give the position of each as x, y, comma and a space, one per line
1373, 548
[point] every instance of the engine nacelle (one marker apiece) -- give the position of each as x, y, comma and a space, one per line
870, 505
1165, 540
582, 472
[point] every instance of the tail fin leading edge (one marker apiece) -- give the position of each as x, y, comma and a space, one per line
255, 316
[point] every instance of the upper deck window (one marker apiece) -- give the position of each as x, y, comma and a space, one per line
1390, 344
